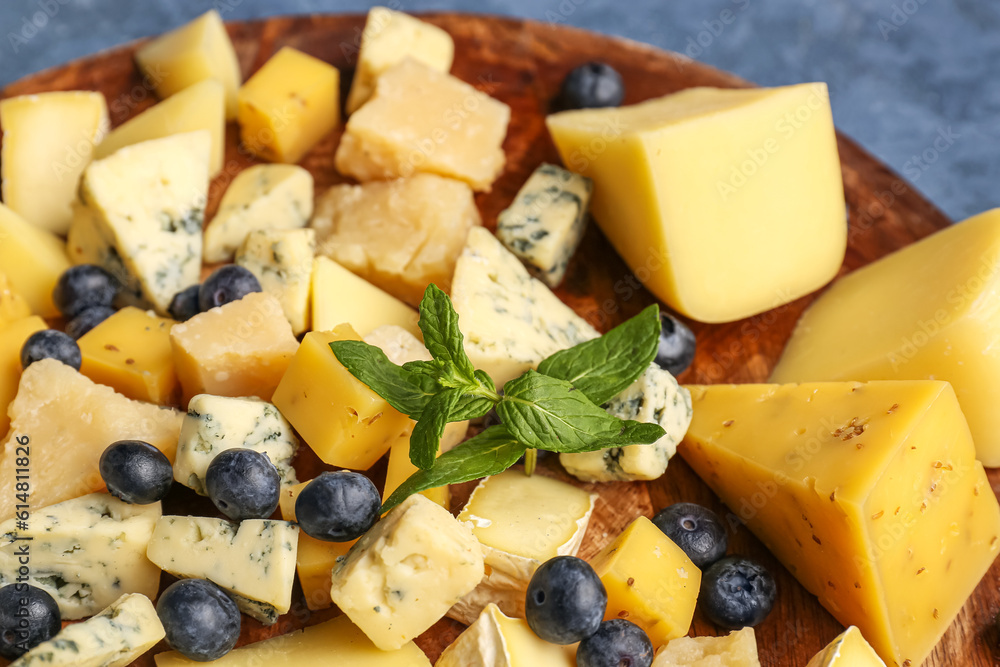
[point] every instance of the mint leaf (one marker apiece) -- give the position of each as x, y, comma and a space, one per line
604, 367
403, 389
489, 453
442, 337
548, 413
426, 436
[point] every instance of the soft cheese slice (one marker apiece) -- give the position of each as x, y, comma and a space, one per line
12, 338
67, 420
494, 640
737, 649
214, 424
84, 552
32, 259
282, 260
849, 649
406, 572
113, 638
521, 522
870, 495
341, 297
48, 140
254, 560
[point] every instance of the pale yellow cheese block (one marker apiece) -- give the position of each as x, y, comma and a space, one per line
32, 259
341, 297
12, 338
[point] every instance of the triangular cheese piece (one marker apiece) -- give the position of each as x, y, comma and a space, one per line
849, 649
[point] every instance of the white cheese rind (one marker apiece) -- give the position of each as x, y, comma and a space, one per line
282, 261
495, 640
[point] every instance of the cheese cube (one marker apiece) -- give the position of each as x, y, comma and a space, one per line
200, 107
737, 649
849, 649
521, 522
84, 552
406, 572
339, 297
32, 259
67, 421
544, 224
13, 307
870, 495
288, 105
48, 140
424, 120
253, 561
494, 640
343, 421
12, 338
402, 235
694, 188
130, 352
282, 261
239, 349
198, 50
262, 197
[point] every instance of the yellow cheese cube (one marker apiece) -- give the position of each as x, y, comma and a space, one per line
12, 337
32, 259
849, 649
288, 105
130, 352
870, 495
339, 296
189, 54
402, 235
48, 140
240, 349
494, 640
423, 120
928, 311
340, 418
389, 37
737, 649
693, 189
13, 307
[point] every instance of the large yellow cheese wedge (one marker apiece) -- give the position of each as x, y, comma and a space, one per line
13, 307
849, 649
48, 140
696, 189
32, 259
12, 337
928, 311
189, 54
67, 421
869, 494
737, 649
339, 297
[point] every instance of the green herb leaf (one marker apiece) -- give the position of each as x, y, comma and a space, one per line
548, 413
403, 389
489, 453
439, 323
604, 367
426, 436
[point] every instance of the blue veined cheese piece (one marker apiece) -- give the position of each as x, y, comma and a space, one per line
282, 260
87, 245
545, 223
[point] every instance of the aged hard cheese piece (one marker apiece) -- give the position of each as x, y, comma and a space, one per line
214, 424
402, 235
494, 640
282, 260
406, 572
849, 649
67, 421
339, 417
737, 649
424, 120
544, 224
338, 641
870, 495
12, 337
194, 52
254, 560
48, 140
32, 259
694, 188
113, 638
239, 349
84, 552
341, 297
263, 197
288, 105
388, 38
929, 311
13, 307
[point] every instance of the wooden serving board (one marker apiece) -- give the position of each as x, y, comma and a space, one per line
522, 63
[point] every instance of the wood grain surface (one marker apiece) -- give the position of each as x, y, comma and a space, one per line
522, 64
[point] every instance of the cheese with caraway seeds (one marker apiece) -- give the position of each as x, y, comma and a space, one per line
32, 259
495, 640
737, 649
282, 261
849, 649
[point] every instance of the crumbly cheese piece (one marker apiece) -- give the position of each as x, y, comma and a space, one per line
282, 260
737, 649
494, 640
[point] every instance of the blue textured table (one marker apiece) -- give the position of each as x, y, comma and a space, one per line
915, 81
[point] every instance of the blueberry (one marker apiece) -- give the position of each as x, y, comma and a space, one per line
51, 344
591, 86
566, 600
84, 286
87, 320
617, 642
243, 484
136, 472
201, 621
737, 592
695, 529
28, 617
677, 344
184, 305
338, 506
226, 284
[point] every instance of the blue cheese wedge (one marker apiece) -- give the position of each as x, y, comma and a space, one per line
253, 561
545, 223
87, 245
282, 260
113, 638
494, 640
214, 424
84, 552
